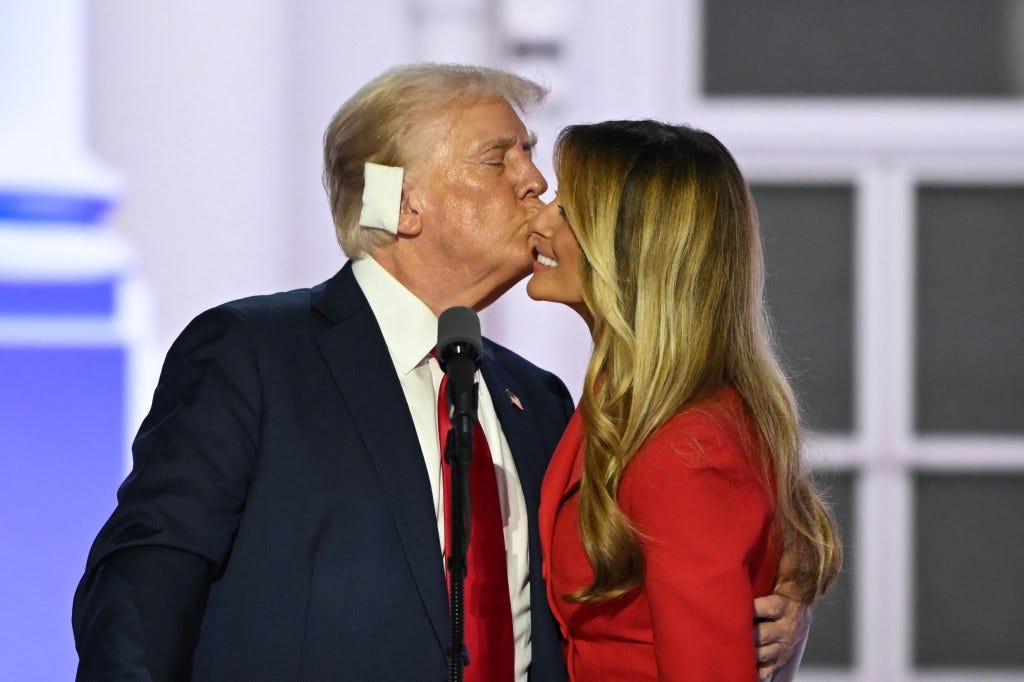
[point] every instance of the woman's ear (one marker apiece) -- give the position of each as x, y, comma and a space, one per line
409, 223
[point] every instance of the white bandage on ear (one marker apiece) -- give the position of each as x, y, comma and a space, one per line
382, 196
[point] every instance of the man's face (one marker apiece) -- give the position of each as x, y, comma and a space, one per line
476, 190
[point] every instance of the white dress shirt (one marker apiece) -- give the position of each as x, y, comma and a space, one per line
410, 331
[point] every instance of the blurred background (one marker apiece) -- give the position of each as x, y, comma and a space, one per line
159, 158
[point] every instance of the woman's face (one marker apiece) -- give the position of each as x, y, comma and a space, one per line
556, 256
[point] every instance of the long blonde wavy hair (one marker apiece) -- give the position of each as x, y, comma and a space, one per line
671, 269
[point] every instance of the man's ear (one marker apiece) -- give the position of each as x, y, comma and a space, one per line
409, 223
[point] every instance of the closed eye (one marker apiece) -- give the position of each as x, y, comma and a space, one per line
530, 144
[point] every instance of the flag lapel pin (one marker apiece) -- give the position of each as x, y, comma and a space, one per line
514, 399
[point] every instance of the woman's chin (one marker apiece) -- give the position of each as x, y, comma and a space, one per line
532, 290
540, 290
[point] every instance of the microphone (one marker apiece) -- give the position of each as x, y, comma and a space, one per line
459, 349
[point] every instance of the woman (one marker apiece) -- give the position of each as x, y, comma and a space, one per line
677, 484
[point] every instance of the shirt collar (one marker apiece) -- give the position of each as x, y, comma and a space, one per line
408, 325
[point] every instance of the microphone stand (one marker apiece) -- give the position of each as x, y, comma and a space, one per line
458, 453
459, 349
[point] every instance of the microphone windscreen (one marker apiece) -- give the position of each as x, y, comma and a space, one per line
459, 324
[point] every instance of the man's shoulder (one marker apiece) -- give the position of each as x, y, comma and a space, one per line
270, 306
512, 361
271, 316
526, 383
525, 372
282, 304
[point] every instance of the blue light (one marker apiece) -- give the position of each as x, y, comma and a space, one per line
29, 209
91, 298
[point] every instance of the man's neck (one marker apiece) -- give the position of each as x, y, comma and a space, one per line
436, 287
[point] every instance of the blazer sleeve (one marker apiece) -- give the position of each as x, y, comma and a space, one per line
703, 516
138, 608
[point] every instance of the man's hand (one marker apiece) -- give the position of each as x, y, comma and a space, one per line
780, 631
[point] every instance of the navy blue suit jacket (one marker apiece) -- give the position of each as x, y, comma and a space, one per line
278, 522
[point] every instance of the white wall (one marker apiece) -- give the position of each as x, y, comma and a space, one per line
213, 114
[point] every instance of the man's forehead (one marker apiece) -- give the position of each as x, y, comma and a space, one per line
491, 122
471, 127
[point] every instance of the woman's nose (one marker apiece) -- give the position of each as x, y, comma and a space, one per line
541, 223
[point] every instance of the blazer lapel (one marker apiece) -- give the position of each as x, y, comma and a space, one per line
358, 358
562, 475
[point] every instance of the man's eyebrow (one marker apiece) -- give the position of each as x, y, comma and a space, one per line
508, 141
498, 143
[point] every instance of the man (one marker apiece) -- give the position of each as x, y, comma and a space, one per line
284, 516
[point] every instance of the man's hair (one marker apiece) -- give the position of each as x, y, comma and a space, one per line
671, 268
378, 125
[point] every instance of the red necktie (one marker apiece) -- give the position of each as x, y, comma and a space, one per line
488, 612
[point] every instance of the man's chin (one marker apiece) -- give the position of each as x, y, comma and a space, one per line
524, 269
502, 288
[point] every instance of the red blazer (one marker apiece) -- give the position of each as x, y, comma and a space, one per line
697, 495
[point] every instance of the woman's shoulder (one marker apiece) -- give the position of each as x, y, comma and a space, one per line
715, 432
707, 454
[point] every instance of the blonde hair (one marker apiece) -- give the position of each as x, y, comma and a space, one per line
671, 269
379, 125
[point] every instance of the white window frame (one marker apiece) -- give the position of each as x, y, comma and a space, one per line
885, 149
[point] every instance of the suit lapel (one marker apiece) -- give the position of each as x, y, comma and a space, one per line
519, 428
530, 453
362, 368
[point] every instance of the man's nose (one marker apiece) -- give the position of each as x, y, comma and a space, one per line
534, 184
